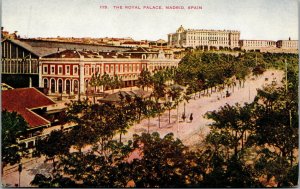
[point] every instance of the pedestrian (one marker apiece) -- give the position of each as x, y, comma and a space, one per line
183, 117
191, 117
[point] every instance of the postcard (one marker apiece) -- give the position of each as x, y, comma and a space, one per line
148, 93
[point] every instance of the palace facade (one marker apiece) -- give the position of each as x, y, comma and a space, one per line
204, 39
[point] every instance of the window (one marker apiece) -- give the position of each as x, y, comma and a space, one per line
86, 68
121, 68
117, 69
130, 68
98, 69
106, 68
67, 69
52, 69
75, 70
45, 69
60, 70
112, 68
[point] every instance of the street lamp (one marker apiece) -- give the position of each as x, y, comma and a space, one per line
20, 170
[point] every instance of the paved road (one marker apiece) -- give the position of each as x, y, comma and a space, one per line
192, 133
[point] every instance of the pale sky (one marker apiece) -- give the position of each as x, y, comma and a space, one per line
255, 19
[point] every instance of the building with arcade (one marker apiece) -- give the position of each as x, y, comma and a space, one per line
69, 71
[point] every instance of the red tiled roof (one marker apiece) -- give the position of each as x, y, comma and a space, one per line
22, 101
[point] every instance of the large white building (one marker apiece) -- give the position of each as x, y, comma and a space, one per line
287, 44
260, 45
204, 39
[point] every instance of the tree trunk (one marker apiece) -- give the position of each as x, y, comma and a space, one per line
242, 140
158, 120
236, 146
227, 149
148, 123
94, 98
177, 119
120, 137
140, 116
291, 158
169, 115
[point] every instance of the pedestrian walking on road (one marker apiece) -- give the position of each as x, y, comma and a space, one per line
191, 117
183, 117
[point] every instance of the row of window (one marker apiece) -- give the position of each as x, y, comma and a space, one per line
209, 42
289, 44
89, 70
212, 34
60, 70
207, 38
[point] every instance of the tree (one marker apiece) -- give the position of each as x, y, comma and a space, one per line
258, 70
186, 99
165, 162
95, 82
116, 83
169, 106
158, 109
159, 86
106, 81
56, 143
175, 93
13, 126
149, 111
125, 114
274, 125
140, 106
235, 120
144, 79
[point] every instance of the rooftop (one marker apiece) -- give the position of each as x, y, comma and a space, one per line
23, 101
116, 97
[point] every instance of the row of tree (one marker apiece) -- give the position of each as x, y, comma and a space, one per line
105, 80
246, 144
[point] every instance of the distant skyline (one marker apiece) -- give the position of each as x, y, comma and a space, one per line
255, 19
